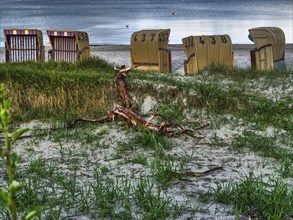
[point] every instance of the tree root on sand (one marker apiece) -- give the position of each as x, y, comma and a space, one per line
165, 127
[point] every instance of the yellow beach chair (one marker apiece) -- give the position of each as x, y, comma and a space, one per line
149, 50
269, 52
202, 51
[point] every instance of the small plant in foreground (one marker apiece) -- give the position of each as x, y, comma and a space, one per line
8, 197
165, 171
152, 140
170, 111
252, 195
139, 159
286, 168
266, 147
153, 204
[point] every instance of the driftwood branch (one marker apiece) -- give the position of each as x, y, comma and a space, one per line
136, 120
165, 127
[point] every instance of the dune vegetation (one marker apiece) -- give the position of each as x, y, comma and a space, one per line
116, 171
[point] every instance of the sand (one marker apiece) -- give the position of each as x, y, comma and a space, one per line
202, 155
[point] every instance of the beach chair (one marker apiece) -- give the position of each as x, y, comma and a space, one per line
24, 45
269, 52
202, 51
69, 46
149, 50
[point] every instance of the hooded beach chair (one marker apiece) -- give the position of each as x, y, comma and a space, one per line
70, 46
202, 51
149, 50
269, 52
24, 45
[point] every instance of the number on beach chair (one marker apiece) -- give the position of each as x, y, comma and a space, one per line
202, 51
150, 51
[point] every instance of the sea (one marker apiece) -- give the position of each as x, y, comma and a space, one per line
113, 21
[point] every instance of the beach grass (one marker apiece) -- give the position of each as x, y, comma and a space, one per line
252, 195
45, 90
115, 171
87, 88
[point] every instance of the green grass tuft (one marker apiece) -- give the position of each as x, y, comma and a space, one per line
255, 197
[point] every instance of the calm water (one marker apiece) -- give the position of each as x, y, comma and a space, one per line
106, 20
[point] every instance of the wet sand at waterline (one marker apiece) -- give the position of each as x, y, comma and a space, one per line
120, 54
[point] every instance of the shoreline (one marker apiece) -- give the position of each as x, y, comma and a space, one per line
288, 46
119, 54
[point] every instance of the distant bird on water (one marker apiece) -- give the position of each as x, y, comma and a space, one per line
173, 13
127, 26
